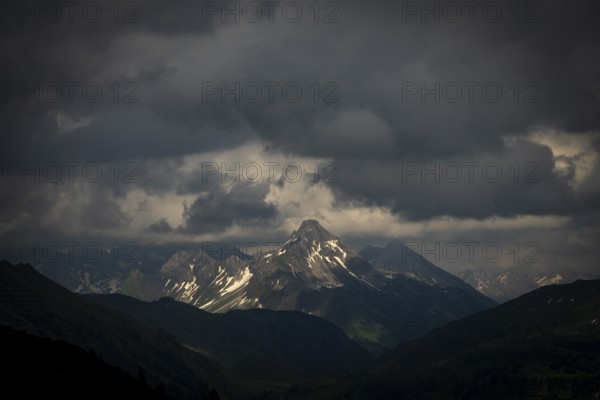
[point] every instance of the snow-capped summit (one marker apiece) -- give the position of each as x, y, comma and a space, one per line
316, 258
314, 272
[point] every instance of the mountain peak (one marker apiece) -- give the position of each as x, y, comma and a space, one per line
311, 230
319, 259
308, 224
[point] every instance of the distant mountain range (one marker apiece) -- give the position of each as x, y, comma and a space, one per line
507, 285
378, 302
135, 272
378, 297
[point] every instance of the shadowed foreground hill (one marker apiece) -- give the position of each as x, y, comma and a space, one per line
545, 345
187, 350
256, 345
44, 367
32, 303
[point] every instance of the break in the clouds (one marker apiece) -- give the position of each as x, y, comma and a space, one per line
404, 123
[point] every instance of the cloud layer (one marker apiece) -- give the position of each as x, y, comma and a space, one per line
404, 119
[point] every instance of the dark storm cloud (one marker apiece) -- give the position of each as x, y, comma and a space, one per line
70, 207
24, 204
83, 53
519, 181
103, 212
160, 226
547, 71
243, 205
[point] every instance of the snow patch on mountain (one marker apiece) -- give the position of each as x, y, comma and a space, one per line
545, 280
87, 284
237, 282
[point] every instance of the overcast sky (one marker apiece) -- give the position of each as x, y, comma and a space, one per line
430, 122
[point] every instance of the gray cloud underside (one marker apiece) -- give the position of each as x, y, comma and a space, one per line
370, 133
